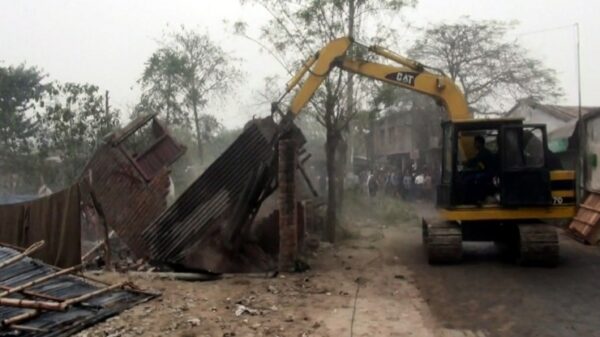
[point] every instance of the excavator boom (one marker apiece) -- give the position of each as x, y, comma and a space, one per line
408, 74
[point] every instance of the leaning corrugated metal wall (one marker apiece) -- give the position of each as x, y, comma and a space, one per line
211, 200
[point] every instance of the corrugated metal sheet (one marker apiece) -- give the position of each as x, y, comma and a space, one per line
586, 222
58, 323
222, 195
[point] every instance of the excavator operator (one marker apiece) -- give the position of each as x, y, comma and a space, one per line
484, 160
482, 169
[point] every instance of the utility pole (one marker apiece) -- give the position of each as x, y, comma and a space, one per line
580, 173
578, 71
106, 106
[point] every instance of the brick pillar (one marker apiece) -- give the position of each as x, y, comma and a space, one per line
288, 235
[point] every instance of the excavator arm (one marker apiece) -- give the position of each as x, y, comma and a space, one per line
407, 74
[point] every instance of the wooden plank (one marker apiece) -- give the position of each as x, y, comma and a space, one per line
585, 222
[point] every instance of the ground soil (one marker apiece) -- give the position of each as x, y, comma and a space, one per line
399, 294
360, 276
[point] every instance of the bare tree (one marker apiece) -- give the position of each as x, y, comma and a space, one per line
492, 70
296, 30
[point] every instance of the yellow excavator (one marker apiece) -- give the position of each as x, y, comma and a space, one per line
499, 182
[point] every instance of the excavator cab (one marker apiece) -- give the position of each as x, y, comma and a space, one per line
500, 183
510, 168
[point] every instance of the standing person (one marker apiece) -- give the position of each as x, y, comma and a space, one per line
407, 182
395, 183
372, 184
419, 185
363, 181
428, 186
387, 183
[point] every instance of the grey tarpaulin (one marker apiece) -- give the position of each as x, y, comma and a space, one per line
54, 219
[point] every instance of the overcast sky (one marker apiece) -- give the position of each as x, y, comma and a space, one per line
107, 42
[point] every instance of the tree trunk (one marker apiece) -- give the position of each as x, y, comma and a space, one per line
198, 133
342, 160
168, 99
331, 220
347, 144
370, 138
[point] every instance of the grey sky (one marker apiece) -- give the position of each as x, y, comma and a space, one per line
107, 42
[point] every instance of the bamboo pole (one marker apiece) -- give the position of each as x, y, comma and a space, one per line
34, 294
30, 304
55, 306
84, 297
20, 317
40, 280
30, 250
27, 328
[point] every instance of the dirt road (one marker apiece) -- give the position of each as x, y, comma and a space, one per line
488, 297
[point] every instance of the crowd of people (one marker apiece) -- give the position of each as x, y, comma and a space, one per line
410, 184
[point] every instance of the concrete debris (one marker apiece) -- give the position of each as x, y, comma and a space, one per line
194, 322
242, 309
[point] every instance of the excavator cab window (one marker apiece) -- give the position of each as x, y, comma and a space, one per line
525, 176
524, 148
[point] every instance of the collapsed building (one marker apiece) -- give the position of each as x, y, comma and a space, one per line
212, 227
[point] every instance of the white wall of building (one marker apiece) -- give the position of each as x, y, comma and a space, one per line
532, 115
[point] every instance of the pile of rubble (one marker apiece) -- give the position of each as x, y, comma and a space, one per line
119, 209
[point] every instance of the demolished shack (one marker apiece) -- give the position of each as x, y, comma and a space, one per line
124, 186
123, 191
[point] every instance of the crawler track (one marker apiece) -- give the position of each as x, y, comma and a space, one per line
538, 245
443, 242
